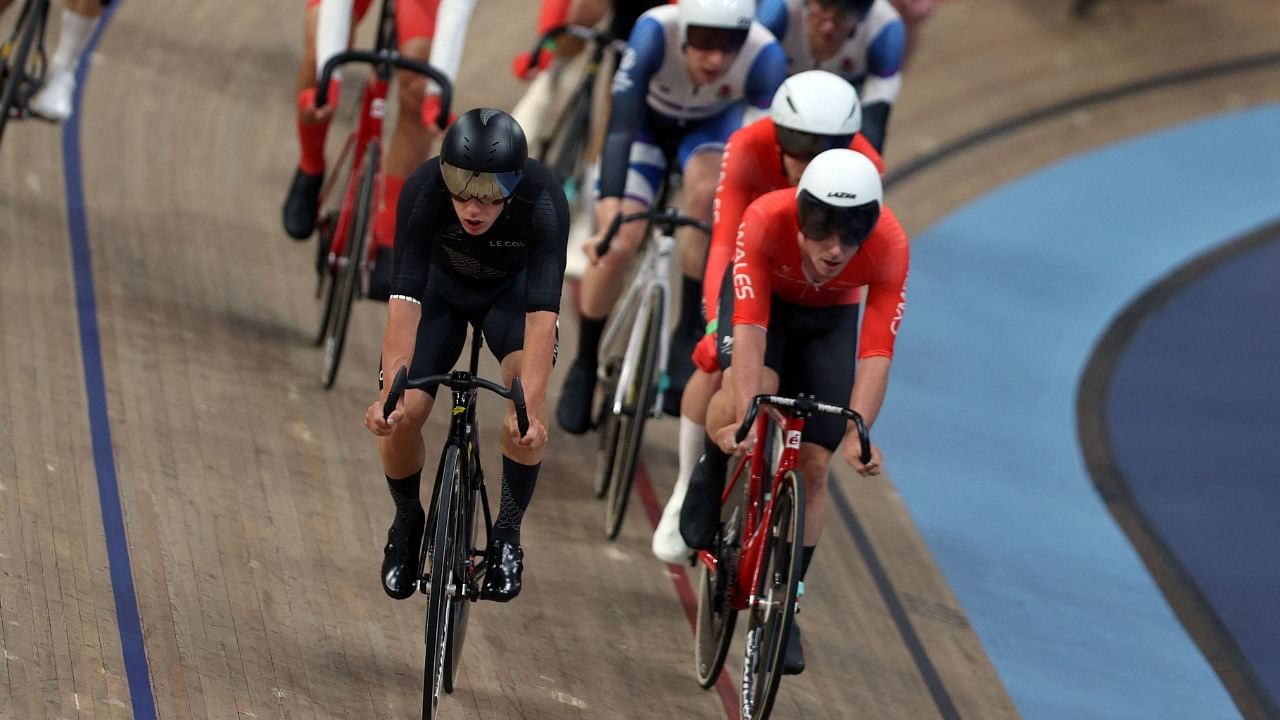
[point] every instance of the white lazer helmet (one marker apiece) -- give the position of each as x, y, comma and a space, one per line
839, 194
717, 24
814, 111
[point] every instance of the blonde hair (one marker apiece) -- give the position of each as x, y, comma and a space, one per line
471, 183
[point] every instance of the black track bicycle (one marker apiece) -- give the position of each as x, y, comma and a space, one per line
453, 563
23, 62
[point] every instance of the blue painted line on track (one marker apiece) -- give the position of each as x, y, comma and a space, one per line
1008, 297
136, 670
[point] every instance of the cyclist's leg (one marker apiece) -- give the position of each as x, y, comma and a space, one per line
603, 282
79, 17
410, 140
302, 201
504, 328
442, 332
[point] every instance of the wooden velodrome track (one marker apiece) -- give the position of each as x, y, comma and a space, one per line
252, 499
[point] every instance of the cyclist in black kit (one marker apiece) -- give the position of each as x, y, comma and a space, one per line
481, 233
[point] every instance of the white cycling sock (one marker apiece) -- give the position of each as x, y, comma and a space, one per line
692, 436
72, 38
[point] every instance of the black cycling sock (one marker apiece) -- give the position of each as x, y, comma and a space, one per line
405, 494
691, 322
806, 559
590, 331
714, 461
518, 482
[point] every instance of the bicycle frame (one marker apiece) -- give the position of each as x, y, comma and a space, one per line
759, 506
654, 271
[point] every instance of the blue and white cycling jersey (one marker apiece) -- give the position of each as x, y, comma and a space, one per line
654, 92
871, 58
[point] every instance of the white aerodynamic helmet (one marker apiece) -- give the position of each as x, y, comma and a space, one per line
720, 24
839, 194
814, 111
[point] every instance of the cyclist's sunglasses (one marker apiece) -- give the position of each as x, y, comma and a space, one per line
806, 146
819, 220
478, 198
704, 38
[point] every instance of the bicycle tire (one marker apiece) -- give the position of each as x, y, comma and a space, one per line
769, 623
716, 618
568, 143
462, 606
324, 231
608, 449
16, 64
642, 395
348, 279
443, 554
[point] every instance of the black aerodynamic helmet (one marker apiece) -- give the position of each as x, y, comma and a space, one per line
483, 155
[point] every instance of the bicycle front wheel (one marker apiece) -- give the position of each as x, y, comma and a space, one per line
443, 579
19, 76
770, 618
348, 276
638, 402
464, 570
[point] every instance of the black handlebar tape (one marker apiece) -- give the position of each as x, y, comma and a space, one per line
397, 389
522, 413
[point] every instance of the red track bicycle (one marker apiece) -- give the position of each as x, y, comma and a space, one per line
756, 564
345, 254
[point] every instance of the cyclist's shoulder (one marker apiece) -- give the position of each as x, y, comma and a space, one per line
425, 178
881, 15
539, 185
889, 237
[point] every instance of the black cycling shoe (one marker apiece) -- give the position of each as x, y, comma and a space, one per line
793, 662
700, 514
380, 275
400, 556
573, 412
504, 563
301, 205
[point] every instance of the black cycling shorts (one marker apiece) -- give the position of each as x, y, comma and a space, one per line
449, 307
814, 350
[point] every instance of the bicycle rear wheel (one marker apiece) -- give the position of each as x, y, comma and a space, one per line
22, 73
349, 265
770, 620
443, 577
464, 569
639, 399
569, 142
713, 627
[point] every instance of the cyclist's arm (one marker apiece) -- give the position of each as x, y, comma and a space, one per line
752, 297
732, 197
411, 260
768, 70
883, 81
773, 15
886, 303
451, 33
542, 287
642, 58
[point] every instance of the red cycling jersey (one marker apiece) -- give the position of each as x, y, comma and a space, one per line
767, 263
751, 167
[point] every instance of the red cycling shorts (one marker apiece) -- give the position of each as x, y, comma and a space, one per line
414, 18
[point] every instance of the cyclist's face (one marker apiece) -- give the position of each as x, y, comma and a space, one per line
476, 215
825, 258
706, 66
794, 168
828, 28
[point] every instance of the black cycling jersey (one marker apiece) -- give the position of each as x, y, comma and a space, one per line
530, 235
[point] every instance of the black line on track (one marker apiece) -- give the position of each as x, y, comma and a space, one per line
993, 132
1179, 587
928, 673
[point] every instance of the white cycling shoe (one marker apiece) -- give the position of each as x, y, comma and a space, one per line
54, 99
668, 545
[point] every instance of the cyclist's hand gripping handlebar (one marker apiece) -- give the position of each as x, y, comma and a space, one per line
457, 381
381, 59
805, 404
666, 220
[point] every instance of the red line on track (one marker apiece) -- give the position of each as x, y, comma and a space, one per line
684, 588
